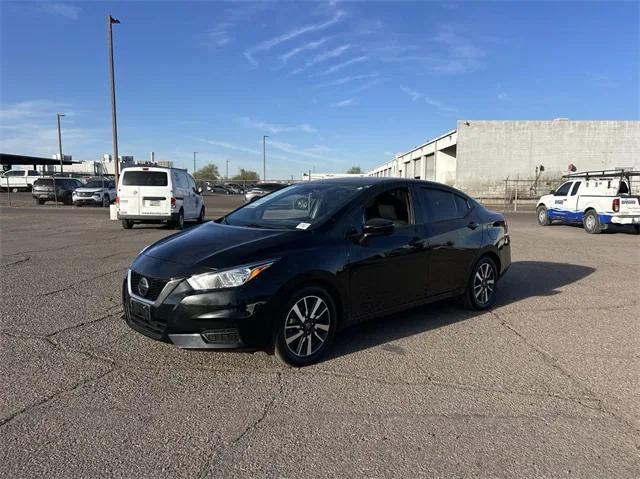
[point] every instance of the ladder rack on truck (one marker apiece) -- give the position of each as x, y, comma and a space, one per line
602, 174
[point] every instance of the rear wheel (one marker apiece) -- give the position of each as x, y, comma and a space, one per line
39, 201
306, 326
591, 222
179, 222
482, 285
127, 224
543, 216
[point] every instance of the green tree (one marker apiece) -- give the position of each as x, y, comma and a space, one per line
355, 170
207, 172
246, 175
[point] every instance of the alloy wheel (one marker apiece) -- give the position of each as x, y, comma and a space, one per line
484, 283
307, 326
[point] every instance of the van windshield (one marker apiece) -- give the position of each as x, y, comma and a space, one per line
144, 178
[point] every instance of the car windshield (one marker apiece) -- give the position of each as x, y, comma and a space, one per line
96, 184
298, 206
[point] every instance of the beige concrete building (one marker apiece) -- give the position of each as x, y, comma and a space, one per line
478, 156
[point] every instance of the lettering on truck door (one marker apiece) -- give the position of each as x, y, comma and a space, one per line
558, 208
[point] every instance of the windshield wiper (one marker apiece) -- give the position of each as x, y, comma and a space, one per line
256, 225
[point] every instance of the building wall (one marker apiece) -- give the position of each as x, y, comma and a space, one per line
490, 151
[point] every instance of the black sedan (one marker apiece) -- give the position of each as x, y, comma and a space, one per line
287, 271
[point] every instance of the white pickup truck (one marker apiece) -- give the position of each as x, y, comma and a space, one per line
596, 199
18, 179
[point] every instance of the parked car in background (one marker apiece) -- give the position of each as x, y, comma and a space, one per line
220, 189
235, 189
96, 191
154, 194
55, 189
595, 199
289, 270
260, 190
18, 179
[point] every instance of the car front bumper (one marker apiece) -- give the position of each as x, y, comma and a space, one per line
225, 319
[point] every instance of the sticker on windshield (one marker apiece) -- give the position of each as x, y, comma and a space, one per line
303, 226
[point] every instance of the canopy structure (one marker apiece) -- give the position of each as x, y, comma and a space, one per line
7, 159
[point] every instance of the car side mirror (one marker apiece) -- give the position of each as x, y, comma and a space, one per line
199, 189
377, 227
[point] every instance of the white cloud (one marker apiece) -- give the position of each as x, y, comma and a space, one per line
342, 65
314, 153
502, 96
348, 79
417, 96
307, 46
223, 32
62, 9
322, 57
273, 128
343, 103
462, 51
269, 44
230, 146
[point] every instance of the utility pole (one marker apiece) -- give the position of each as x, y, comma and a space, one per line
194, 163
264, 158
60, 143
227, 175
114, 124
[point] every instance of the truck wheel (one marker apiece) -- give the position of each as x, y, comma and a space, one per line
591, 222
179, 223
127, 224
543, 216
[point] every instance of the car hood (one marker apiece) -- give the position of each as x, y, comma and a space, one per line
215, 246
88, 190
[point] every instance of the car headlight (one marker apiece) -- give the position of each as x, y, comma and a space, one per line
229, 278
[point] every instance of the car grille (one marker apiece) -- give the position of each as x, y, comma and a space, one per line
155, 286
85, 194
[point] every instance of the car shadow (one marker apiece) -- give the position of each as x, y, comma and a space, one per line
525, 279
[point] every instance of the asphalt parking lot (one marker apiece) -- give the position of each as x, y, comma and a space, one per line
544, 385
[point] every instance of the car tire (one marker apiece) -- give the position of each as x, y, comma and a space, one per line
482, 285
179, 222
305, 328
39, 201
637, 228
75, 203
201, 216
106, 201
591, 222
67, 200
543, 216
127, 224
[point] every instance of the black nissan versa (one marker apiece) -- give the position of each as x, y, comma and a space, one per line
289, 270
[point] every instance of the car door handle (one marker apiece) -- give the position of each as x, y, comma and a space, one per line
472, 225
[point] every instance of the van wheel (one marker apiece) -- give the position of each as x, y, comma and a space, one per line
306, 325
179, 223
591, 222
201, 217
543, 216
127, 224
482, 285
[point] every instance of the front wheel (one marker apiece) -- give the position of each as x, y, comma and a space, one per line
201, 216
482, 285
591, 222
305, 327
543, 216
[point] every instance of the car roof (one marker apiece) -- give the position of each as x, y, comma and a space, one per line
376, 180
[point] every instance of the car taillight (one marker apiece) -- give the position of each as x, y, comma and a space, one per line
615, 206
117, 200
173, 203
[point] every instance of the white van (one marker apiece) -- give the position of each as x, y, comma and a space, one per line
153, 194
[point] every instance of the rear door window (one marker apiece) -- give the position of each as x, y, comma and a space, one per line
442, 205
144, 178
574, 190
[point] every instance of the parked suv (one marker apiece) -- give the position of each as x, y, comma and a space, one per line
43, 189
18, 179
97, 191
153, 194
260, 190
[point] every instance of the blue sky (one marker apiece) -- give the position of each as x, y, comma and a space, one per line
333, 84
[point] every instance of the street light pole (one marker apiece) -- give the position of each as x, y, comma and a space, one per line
264, 158
194, 163
227, 169
114, 124
60, 142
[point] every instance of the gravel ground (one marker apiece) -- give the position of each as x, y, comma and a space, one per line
544, 385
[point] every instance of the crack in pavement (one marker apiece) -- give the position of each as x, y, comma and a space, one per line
212, 460
552, 361
24, 259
